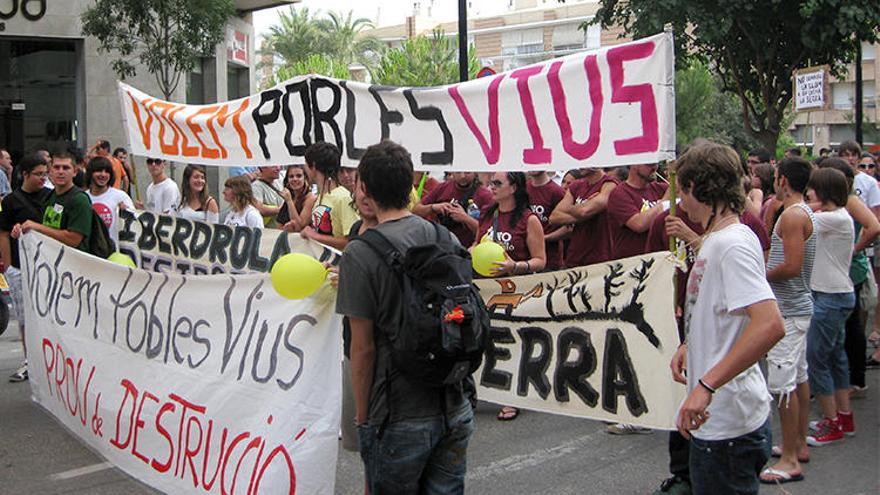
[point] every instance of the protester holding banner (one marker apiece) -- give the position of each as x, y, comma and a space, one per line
584, 206
237, 192
544, 195
457, 203
106, 200
731, 320
412, 436
296, 211
195, 203
162, 194
333, 213
67, 215
24, 204
632, 206
268, 197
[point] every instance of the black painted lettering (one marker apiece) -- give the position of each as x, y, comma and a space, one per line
147, 240
262, 120
182, 229
432, 113
200, 240
533, 367
386, 117
220, 243
619, 377
302, 88
256, 262
351, 148
492, 377
239, 250
322, 117
573, 374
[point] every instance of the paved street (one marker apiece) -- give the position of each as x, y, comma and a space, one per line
537, 453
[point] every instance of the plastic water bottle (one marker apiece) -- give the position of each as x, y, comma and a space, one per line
473, 210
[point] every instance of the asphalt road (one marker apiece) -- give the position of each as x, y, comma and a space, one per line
536, 453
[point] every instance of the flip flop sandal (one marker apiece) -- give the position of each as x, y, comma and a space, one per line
507, 413
776, 451
781, 477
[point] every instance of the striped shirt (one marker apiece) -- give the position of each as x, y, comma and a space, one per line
793, 294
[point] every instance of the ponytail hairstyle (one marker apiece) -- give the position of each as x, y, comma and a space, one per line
520, 197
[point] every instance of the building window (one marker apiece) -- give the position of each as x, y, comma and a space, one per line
522, 47
841, 133
869, 94
869, 51
568, 38
842, 95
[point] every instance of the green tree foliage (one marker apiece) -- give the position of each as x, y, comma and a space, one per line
754, 45
423, 61
316, 43
168, 37
314, 64
703, 110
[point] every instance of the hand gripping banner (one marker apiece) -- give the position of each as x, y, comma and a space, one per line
607, 107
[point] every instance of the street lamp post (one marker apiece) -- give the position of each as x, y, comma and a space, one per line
462, 41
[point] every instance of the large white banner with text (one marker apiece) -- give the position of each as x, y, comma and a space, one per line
607, 107
191, 384
594, 341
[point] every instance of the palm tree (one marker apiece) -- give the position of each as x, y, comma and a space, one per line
341, 38
295, 38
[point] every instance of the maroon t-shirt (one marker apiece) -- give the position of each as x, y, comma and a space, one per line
590, 239
624, 202
543, 200
514, 238
449, 192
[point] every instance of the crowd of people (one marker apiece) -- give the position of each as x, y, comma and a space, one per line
747, 237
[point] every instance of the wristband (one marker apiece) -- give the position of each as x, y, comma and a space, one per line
707, 387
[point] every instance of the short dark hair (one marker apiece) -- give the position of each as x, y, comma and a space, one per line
797, 171
325, 158
386, 172
712, 173
840, 164
64, 155
119, 150
104, 145
830, 184
796, 151
28, 163
851, 147
98, 164
762, 154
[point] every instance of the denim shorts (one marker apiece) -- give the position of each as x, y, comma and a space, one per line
419, 456
732, 466
827, 365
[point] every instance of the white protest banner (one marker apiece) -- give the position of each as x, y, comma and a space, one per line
607, 107
811, 89
191, 384
167, 243
592, 342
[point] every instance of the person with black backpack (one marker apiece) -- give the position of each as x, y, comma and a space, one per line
418, 330
23, 204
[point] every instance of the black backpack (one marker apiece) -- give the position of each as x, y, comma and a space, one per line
443, 330
100, 243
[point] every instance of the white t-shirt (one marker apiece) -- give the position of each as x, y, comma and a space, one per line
727, 277
834, 250
249, 217
106, 205
866, 189
162, 198
202, 215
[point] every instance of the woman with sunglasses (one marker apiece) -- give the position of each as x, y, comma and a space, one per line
196, 203
509, 221
242, 213
296, 211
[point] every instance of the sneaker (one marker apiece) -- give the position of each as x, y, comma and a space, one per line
20, 375
857, 390
673, 486
626, 429
847, 425
827, 431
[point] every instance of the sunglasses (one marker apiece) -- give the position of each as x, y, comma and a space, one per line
156, 161
865, 166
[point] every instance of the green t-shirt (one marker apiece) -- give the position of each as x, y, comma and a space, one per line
858, 268
70, 211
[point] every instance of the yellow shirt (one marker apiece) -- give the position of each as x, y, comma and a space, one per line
334, 213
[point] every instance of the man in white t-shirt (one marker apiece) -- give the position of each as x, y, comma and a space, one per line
162, 196
731, 321
106, 200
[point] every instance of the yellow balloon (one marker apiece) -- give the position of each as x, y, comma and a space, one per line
484, 256
297, 276
121, 259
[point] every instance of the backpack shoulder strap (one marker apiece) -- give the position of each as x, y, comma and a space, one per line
377, 241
